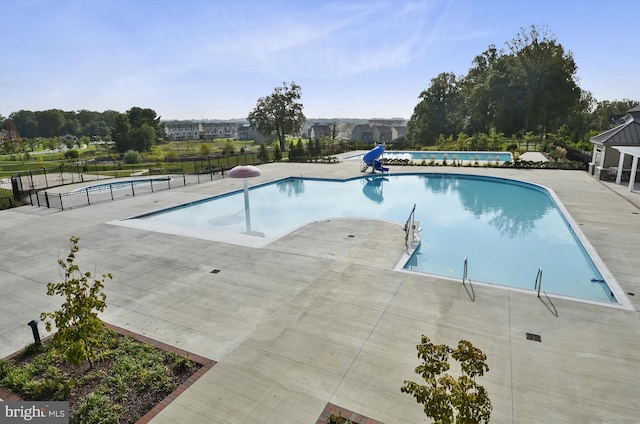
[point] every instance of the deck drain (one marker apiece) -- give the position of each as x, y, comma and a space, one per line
351, 235
534, 337
215, 271
631, 294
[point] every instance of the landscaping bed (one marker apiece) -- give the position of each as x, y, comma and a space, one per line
129, 377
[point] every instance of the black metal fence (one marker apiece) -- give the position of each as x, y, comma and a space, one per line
31, 186
114, 190
6, 202
26, 182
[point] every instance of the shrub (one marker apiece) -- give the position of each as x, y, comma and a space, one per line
71, 154
77, 320
131, 157
445, 398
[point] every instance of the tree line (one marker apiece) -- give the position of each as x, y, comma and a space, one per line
136, 129
529, 88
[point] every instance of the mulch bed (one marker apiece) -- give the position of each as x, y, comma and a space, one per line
146, 405
347, 416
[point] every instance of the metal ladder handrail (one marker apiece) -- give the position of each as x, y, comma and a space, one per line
464, 271
410, 229
538, 283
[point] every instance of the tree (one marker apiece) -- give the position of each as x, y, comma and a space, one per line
139, 116
50, 123
120, 133
606, 112
438, 112
280, 113
546, 77
476, 91
277, 153
77, 319
448, 400
263, 154
205, 149
143, 138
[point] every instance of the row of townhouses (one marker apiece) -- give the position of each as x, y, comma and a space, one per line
375, 131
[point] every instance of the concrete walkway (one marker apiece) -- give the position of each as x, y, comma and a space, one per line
310, 319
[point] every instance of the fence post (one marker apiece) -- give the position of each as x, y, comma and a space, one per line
133, 191
88, 199
111, 190
151, 182
61, 204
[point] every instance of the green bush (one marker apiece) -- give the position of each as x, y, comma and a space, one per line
131, 157
71, 154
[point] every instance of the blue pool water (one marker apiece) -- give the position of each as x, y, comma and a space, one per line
428, 156
119, 185
506, 229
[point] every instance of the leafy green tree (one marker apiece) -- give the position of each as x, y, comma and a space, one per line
71, 154
546, 76
77, 319
606, 112
277, 153
143, 138
120, 133
263, 154
228, 148
205, 149
439, 111
26, 123
280, 113
446, 399
139, 116
50, 123
476, 90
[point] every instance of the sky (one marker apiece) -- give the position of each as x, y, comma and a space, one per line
213, 59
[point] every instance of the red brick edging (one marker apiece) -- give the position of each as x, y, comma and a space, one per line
344, 413
205, 363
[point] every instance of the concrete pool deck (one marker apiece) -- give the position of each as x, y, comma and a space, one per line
319, 316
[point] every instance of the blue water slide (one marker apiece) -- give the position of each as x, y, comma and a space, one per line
370, 159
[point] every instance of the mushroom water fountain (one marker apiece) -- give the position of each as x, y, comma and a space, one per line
245, 172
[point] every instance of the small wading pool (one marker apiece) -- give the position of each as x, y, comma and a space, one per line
121, 185
507, 229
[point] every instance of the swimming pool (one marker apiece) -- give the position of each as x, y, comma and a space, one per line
464, 158
120, 185
506, 229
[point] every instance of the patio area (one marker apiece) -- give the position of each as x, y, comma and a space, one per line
310, 320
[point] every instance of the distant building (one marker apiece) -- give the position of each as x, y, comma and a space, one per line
362, 132
380, 131
211, 130
317, 131
247, 132
382, 134
180, 131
